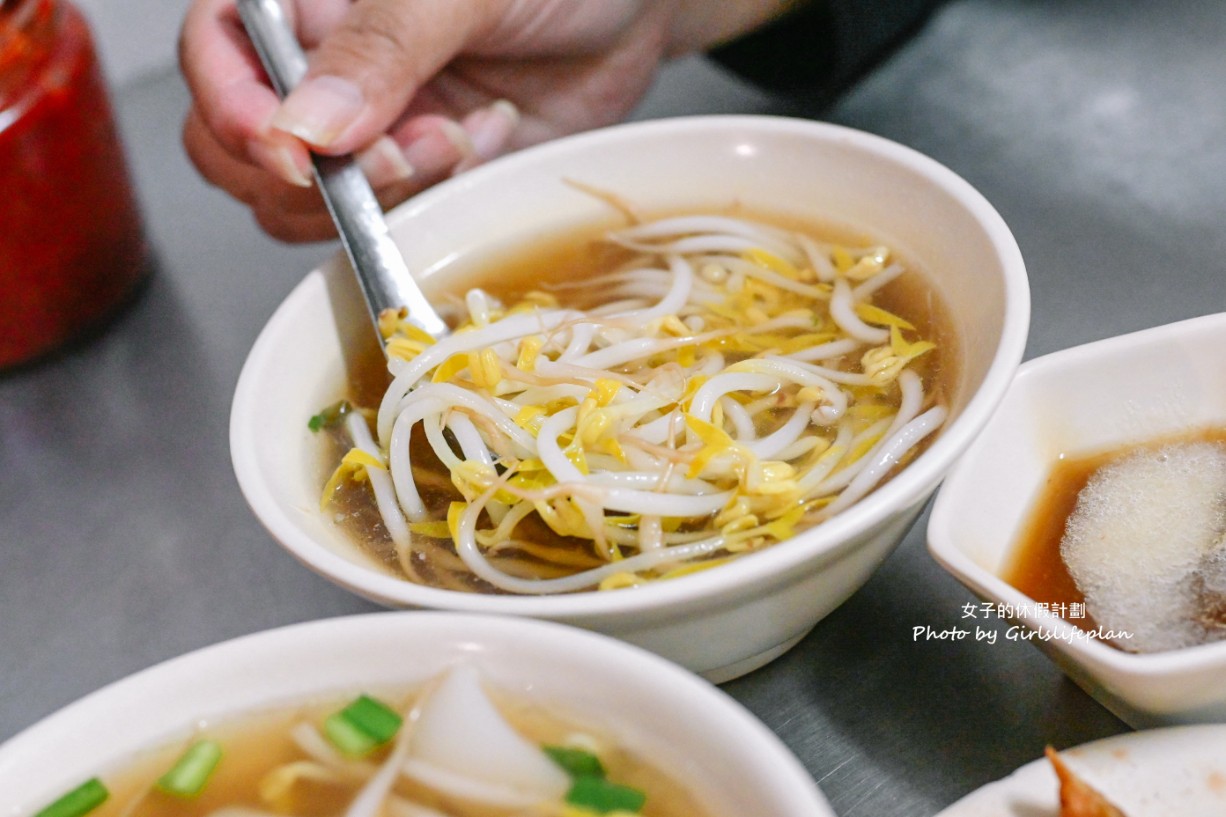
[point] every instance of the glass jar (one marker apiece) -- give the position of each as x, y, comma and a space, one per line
72, 246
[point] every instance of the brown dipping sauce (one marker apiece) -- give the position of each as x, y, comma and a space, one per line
1035, 566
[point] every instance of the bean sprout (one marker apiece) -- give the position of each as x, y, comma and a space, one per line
737, 385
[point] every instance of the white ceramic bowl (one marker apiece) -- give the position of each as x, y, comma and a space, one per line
721, 622
711, 744
1133, 388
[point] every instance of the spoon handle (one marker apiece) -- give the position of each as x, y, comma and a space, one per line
385, 280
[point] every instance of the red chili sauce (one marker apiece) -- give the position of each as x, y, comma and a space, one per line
72, 248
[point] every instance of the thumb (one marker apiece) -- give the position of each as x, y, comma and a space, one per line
365, 70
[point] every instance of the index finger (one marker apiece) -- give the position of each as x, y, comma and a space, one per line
224, 73
231, 91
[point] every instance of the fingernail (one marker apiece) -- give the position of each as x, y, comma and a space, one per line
320, 109
384, 163
491, 127
279, 160
439, 149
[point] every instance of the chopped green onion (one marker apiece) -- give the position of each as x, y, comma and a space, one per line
602, 797
192, 771
81, 800
362, 726
589, 789
575, 762
330, 416
373, 717
348, 738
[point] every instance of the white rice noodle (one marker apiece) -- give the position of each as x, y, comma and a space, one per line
433, 425
676, 483
380, 482
466, 546
688, 225
480, 305
833, 375
741, 419
843, 312
826, 351
841, 477
886, 452
770, 446
710, 392
473, 446
469, 438
863, 290
751, 270
407, 373
651, 534
709, 364
550, 452
626, 500
581, 335
835, 399
887, 456
315, 746
448, 394
369, 801
829, 460
705, 236
625, 352
818, 256
678, 294
661, 431
639, 462
401, 465
802, 446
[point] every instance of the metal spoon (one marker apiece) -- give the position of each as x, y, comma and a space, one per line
380, 269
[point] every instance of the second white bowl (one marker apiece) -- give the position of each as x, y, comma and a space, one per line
692, 731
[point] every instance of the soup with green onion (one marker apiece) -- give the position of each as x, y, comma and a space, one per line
452, 748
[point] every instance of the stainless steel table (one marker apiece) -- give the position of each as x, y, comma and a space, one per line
1097, 128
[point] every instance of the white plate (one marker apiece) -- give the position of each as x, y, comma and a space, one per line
1175, 772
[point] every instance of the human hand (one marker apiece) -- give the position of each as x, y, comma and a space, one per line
419, 89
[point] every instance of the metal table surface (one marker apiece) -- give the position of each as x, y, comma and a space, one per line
1095, 127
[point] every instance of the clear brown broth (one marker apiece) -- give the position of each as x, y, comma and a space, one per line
565, 256
259, 743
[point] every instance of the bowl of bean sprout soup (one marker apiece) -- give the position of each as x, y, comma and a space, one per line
701, 377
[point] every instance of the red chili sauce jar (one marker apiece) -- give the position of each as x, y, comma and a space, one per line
72, 246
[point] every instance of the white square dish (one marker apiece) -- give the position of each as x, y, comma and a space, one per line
1135, 388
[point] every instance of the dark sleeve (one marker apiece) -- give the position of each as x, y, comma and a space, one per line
823, 45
